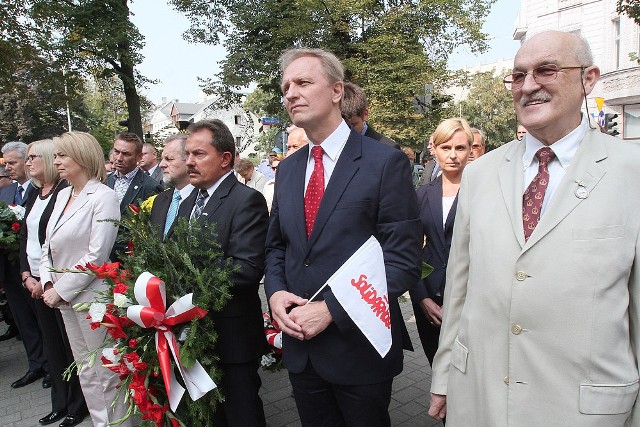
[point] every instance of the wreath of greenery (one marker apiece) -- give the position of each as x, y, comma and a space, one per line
191, 261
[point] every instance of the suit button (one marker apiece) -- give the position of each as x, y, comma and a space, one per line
506, 380
306, 263
520, 276
516, 329
444, 266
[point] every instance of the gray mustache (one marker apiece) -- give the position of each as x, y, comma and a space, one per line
536, 96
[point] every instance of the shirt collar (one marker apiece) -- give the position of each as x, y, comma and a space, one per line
564, 149
216, 184
365, 126
332, 146
185, 191
128, 176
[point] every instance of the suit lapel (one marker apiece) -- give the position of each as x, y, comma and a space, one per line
83, 198
296, 195
217, 197
345, 169
132, 191
511, 177
584, 169
434, 196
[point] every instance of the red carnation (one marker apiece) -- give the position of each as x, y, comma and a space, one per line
15, 226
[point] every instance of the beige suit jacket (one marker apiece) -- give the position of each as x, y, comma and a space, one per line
544, 332
77, 237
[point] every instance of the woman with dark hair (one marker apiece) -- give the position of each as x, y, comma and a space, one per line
66, 397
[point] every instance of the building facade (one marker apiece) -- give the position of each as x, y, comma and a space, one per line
612, 37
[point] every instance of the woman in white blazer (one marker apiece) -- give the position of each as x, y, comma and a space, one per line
76, 235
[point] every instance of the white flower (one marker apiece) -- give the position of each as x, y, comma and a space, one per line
121, 300
110, 354
18, 211
97, 311
267, 360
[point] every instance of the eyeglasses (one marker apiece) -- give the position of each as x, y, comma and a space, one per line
542, 75
273, 155
31, 157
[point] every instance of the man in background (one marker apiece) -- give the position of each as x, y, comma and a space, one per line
355, 110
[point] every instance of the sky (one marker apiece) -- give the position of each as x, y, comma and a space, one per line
176, 64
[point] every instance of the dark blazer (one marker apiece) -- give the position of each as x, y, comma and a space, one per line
42, 226
241, 218
141, 188
427, 172
160, 209
371, 133
370, 193
157, 175
7, 195
438, 240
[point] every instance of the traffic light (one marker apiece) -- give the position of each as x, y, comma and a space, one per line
610, 125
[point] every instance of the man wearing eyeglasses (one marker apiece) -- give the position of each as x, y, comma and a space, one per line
542, 306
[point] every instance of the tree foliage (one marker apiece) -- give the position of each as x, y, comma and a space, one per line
85, 37
489, 107
391, 48
631, 8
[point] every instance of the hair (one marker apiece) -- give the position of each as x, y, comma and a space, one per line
409, 152
483, 137
20, 147
448, 127
244, 165
583, 51
132, 138
333, 68
222, 139
182, 137
148, 144
354, 101
44, 149
85, 151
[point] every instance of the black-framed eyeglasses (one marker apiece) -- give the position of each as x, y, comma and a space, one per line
542, 75
31, 157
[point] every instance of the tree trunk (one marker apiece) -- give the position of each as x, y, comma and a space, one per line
132, 98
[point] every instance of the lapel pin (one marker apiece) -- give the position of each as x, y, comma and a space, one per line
581, 191
135, 188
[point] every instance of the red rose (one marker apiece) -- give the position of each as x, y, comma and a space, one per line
133, 342
15, 227
134, 209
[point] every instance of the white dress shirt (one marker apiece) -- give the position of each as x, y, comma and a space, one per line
332, 146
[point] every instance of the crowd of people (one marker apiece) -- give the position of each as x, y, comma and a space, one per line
529, 317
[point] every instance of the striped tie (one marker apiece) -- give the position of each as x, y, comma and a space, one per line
202, 195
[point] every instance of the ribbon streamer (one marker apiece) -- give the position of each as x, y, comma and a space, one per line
150, 294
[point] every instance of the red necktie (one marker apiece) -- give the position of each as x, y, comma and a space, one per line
315, 189
534, 194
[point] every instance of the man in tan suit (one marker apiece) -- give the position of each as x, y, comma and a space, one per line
540, 324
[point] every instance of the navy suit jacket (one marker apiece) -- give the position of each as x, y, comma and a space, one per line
241, 217
369, 193
438, 240
9, 269
141, 188
372, 133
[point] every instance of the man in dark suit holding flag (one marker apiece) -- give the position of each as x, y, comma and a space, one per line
331, 197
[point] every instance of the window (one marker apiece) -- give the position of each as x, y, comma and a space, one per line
237, 120
616, 43
631, 121
238, 141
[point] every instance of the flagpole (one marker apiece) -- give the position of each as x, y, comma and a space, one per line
316, 294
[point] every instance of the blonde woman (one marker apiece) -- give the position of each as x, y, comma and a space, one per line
77, 233
437, 201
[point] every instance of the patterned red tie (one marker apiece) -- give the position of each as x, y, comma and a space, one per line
534, 194
315, 189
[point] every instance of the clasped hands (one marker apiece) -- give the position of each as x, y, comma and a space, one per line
298, 318
51, 296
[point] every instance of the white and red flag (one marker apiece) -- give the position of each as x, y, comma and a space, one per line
360, 286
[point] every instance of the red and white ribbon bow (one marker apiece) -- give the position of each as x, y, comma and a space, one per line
150, 293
